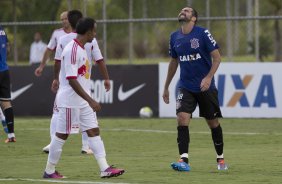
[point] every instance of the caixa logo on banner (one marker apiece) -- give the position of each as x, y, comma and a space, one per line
261, 93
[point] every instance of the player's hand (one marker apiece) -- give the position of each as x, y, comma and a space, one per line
38, 71
166, 96
55, 85
95, 105
107, 85
205, 84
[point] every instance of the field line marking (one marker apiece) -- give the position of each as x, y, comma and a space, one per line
167, 131
57, 181
160, 131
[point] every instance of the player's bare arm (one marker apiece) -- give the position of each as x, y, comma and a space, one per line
105, 74
206, 82
171, 72
79, 90
55, 83
38, 71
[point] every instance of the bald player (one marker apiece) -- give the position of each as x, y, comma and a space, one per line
52, 45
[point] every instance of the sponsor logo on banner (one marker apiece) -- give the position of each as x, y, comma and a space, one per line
99, 94
263, 92
18, 92
123, 95
244, 90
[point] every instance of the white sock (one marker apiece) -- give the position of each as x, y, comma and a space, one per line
55, 152
97, 146
2, 115
220, 156
53, 125
185, 155
84, 137
10, 135
50, 168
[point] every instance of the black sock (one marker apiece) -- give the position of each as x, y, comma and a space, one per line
217, 138
9, 115
183, 140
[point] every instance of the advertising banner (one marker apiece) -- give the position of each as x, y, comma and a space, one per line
245, 90
133, 87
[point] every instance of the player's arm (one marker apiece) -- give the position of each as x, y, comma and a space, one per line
98, 58
38, 71
216, 59
173, 64
48, 51
57, 66
103, 69
55, 83
79, 90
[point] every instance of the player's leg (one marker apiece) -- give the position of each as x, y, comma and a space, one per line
4, 124
85, 147
217, 137
9, 119
89, 124
5, 97
185, 105
65, 118
210, 110
53, 124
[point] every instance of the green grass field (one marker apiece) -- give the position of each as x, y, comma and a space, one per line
145, 148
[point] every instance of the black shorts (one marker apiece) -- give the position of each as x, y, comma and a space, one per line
5, 90
208, 103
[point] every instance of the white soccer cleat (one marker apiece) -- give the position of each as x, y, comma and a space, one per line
87, 151
46, 149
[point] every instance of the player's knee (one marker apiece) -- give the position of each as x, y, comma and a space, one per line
93, 132
6, 104
213, 123
62, 136
183, 119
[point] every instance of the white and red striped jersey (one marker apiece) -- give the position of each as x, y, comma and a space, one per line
96, 54
55, 38
75, 64
92, 49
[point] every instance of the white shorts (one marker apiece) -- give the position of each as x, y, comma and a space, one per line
69, 118
55, 107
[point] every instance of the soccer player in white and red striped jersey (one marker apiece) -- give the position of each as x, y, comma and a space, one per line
94, 54
52, 45
75, 103
66, 28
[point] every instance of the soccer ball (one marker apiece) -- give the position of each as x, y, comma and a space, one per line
146, 112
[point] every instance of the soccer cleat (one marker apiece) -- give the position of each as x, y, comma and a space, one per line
46, 149
55, 175
87, 151
180, 166
9, 140
111, 172
221, 165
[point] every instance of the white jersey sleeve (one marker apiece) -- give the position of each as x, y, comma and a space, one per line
53, 42
96, 53
55, 38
